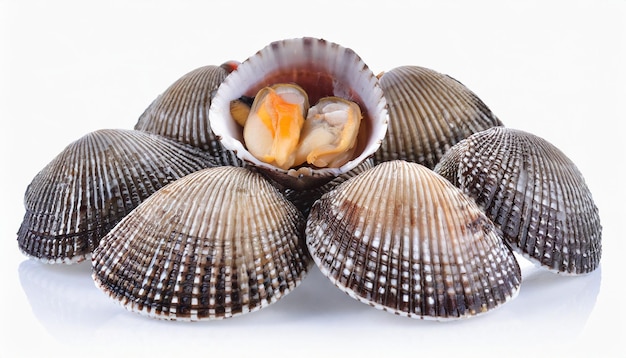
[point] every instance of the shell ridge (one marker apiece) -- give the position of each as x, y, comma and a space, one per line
541, 204
191, 261
454, 304
428, 129
414, 256
446, 110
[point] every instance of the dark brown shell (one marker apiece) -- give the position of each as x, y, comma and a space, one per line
403, 239
182, 111
215, 244
534, 193
94, 182
429, 112
304, 199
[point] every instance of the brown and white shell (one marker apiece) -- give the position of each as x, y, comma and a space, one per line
181, 112
534, 193
322, 69
429, 112
304, 199
94, 182
403, 239
215, 244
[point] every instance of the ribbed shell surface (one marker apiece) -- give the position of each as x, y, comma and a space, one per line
534, 193
304, 199
429, 112
402, 239
218, 243
182, 112
94, 182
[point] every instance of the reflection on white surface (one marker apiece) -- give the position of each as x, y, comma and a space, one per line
64, 298
551, 68
67, 303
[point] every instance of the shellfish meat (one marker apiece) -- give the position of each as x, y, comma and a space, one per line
533, 192
403, 239
217, 243
321, 69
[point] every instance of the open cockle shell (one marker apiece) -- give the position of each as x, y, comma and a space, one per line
94, 182
321, 68
533, 192
181, 112
429, 112
215, 244
403, 239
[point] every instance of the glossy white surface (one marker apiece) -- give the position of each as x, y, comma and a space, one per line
554, 68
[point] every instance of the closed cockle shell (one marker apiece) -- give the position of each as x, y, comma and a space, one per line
181, 112
534, 193
94, 182
403, 239
322, 69
215, 244
429, 112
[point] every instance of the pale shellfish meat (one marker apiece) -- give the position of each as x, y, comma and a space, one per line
272, 130
215, 244
329, 134
322, 69
94, 182
534, 193
429, 112
280, 128
403, 239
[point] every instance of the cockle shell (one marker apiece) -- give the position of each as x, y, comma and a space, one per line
181, 112
403, 239
429, 112
304, 199
215, 244
321, 68
533, 192
94, 182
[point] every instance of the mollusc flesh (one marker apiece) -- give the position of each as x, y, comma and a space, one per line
94, 182
403, 239
534, 193
323, 70
215, 244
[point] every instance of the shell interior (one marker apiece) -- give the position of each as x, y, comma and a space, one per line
322, 68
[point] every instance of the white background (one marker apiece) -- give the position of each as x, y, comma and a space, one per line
553, 68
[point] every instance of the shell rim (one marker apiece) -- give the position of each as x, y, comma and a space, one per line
219, 109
